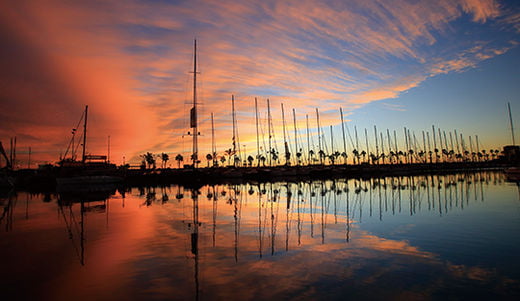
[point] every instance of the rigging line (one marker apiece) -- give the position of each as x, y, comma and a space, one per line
349, 136
72, 139
261, 126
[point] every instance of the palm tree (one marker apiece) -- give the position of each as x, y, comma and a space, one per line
274, 155
391, 156
466, 154
356, 155
262, 159
298, 157
363, 154
179, 158
445, 153
311, 155
236, 160
149, 159
372, 158
229, 152
164, 158
287, 157
344, 155
209, 157
411, 152
321, 154
399, 154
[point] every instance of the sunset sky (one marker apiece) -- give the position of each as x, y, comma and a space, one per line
403, 63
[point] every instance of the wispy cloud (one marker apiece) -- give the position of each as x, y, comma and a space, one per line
130, 61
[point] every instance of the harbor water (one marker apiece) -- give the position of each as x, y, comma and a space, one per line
453, 236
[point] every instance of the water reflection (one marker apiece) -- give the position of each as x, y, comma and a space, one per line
373, 238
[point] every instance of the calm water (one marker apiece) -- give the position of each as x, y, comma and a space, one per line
435, 237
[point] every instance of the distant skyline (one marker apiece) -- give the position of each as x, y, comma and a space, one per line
393, 64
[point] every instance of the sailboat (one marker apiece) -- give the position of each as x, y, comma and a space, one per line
91, 171
512, 153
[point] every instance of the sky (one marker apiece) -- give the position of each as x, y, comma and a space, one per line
453, 64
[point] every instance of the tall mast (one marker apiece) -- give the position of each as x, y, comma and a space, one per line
319, 133
269, 131
257, 139
407, 146
234, 128
511, 123
295, 137
308, 141
213, 146
478, 146
29, 163
343, 131
396, 147
85, 134
424, 146
435, 145
429, 145
377, 144
193, 115
382, 146
389, 144
457, 142
286, 147
368, 148
357, 144
108, 150
331, 142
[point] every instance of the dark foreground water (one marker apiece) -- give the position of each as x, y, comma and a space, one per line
434, 237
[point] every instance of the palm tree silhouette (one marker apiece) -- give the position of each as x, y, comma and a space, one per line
179, 158
311, 155
164, 158
229, 152
321, 154
150, 160
209, 157
356, 155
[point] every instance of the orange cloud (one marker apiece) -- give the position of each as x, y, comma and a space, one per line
130, 62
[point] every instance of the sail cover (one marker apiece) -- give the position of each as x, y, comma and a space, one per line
193, 117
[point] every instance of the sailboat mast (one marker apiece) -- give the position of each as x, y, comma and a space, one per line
193, 115
269, 131
331, 142
85, 134
295, 137
234, 128
308, 141
319, 134
286, 147
213, 146
257, 139
343, 131
511, 123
